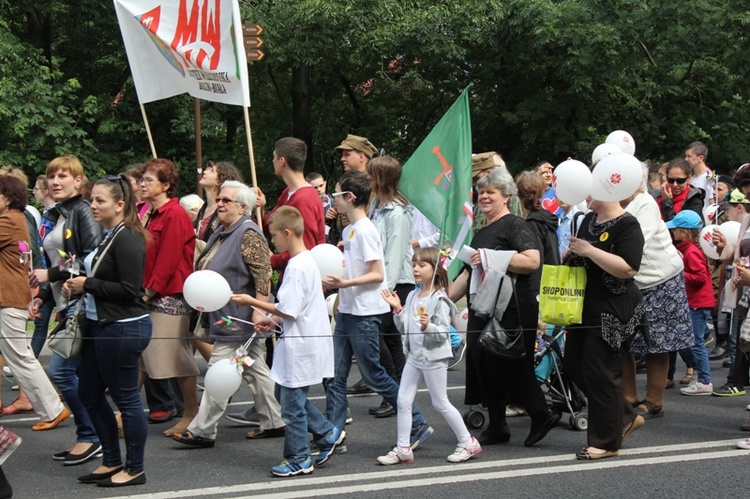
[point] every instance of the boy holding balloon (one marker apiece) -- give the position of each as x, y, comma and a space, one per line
304, 351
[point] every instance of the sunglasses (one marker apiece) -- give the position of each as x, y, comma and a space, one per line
225, 200
677, 180
121, 182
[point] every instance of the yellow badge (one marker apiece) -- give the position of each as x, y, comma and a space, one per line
604, 237
351, 235
68, 233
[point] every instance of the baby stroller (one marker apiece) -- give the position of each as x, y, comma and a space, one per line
563, 396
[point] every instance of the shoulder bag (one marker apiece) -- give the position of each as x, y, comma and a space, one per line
496, 340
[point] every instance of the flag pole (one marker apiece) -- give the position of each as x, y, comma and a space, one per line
252, 158
148, 131
198, 144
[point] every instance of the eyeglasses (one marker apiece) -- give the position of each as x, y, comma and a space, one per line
676, 180
225, 200
336, 194
144, 180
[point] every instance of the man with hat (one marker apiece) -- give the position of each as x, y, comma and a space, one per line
355, 152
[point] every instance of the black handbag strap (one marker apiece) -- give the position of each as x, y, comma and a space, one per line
515, 296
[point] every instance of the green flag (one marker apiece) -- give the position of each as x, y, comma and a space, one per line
437, 178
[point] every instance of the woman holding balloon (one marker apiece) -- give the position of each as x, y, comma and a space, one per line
609, 246
120, 329
237, 251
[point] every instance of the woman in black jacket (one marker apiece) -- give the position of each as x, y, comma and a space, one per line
677, 194
531, 187
120, 329
74, 235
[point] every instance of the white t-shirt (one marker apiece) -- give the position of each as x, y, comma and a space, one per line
362, 245
706, 183
304, 354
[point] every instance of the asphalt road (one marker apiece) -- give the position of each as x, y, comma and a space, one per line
689, 452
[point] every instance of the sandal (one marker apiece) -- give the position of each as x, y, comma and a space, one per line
585, 454
650, 411
174, 430
13, 408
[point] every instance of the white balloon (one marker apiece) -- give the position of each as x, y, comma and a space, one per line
461, 320
602, 151
706, 242
731, 231
709, 213
329, 259
623, 140
206, 290
616, 177
572, 181
222, 380
330, 301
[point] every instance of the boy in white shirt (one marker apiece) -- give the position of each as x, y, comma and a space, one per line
360, 307
304, 352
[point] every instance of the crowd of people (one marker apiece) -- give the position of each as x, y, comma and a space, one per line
121, 248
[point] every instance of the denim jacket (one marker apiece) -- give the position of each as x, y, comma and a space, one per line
393, 222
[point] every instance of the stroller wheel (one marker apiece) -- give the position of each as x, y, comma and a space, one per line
474, 419
581, 421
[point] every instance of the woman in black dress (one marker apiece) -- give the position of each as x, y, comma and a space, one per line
492, 381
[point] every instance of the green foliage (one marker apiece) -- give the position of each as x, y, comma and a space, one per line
551, 79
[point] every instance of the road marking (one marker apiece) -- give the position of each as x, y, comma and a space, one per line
389, 479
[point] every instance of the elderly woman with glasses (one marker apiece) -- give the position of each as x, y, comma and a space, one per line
677, 194
169, 261
239, 252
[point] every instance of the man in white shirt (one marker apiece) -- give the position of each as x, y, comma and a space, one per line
695, 155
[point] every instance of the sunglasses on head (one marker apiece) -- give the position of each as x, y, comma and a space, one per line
677, 180
120, 181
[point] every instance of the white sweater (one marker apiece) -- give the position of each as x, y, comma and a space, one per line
661, 260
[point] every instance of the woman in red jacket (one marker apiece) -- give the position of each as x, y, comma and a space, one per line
169, 261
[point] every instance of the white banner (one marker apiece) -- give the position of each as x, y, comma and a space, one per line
185, 46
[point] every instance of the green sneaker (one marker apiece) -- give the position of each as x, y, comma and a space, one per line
728, 391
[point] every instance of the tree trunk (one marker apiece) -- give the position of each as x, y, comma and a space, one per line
302, 128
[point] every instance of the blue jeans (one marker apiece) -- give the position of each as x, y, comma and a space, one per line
301, 416
110, 359
41, 327
700, 318
62, 372
359, 336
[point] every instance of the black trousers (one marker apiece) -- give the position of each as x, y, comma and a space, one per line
391, 347
597, 370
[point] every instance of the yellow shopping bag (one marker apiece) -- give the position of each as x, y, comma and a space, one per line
561, 294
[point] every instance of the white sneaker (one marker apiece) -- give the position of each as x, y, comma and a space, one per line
744, 444
698, 388
7, 371
465, 451
396, 456
513, 410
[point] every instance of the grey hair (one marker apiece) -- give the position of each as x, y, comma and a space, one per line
242, 193
499, 179
191, 202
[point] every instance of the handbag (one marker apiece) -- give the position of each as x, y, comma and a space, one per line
66, 339
561, 294
498, 341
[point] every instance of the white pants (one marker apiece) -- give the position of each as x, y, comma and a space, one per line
437, 385
26, 368
256, 376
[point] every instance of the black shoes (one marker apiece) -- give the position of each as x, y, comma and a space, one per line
719, 352
490, 436
70, 459
540, 428
136, 480
359, 388
383, 411
95, 477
